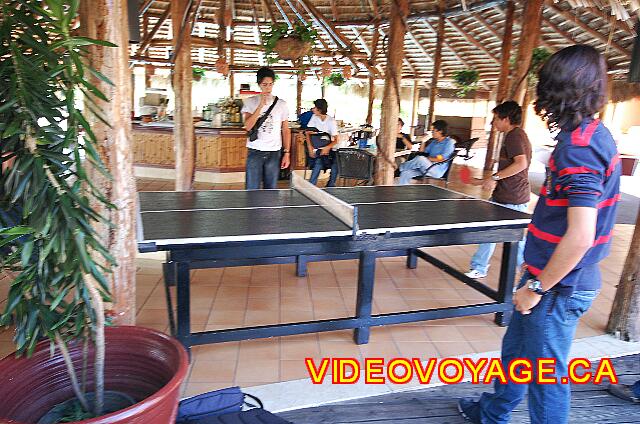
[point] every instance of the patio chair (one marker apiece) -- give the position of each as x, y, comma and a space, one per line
355, 164
459, 147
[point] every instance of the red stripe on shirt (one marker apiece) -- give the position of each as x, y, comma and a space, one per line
602, 240
577, 170
556, 202
532, 269
552, 164
610, 202
614, 162
580, 138
537, 233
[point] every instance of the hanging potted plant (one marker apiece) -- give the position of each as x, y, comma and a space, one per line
197, 74
67, 366
284, 43
538, 58
466, 81
336, 79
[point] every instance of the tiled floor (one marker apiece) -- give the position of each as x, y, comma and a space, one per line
246, 296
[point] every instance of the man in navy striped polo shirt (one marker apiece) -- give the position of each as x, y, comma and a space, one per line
570, 232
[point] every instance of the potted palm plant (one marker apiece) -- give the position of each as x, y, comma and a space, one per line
67, 366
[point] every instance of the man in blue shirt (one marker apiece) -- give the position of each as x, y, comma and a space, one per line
570, 232
439, 150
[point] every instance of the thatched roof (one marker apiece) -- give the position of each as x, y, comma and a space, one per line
472, 39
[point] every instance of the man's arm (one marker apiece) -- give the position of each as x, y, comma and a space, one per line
576, 241
519, 164
286, 145
251, 118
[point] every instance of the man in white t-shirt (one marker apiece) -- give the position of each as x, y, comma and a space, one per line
263, 158
323, 157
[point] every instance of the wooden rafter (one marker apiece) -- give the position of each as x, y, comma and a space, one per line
144, 7
578, 22
544, 42
447, 45
413, 38
269, 9
334, 10
472, 40
144, 44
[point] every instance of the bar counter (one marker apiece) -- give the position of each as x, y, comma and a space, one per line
217, 149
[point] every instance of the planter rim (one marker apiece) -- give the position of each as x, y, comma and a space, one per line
176, 380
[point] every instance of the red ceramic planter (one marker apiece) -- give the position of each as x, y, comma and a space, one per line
143, 363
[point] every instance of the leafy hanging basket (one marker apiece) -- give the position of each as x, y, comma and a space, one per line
284, 43
336, 79
291, 48
466, 81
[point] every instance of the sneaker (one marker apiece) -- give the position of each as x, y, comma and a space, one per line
474, 273
470, 410
623, 391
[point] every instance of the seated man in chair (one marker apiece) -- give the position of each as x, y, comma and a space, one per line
439, 150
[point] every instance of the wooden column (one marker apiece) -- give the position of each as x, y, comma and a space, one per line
414, 106
503, 80
391, 98
529, 35
372, 96
624, 320
372, 63
299, 95
436, 65
107, 20
183, 133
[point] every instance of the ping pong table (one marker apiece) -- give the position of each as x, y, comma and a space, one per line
222, 228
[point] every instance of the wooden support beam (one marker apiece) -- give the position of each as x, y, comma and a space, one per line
375, 37
334, 10
447, 45
424, 51
503, 80
577, 22
299, 87
222, 28
391, 98
624, 319
107, 20
272, 15
531, 17
144, 7
414, 106
516, 24
472, 40
144, 44
183, 133
436, 66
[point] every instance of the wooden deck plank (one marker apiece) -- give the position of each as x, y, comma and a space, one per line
589, 403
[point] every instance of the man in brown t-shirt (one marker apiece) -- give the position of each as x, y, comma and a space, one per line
511, 183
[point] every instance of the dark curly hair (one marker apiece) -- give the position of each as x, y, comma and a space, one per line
265, 72
571, 86
511, 110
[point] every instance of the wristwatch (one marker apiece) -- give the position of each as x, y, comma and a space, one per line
495, 177
535, 286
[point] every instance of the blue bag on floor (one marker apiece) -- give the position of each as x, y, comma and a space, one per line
225, 406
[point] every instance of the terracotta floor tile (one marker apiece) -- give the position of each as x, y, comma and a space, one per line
259, 349
203, 371
339, 349
293, 370
255, 318
192, 389
226, 317
296, 316
485, 345
403, 333
295, 350
444, 334
226, 352
448, 349
475, 333
230, 304
264, 292
152, 316
385, 349
420, 350
258, 305
260, 371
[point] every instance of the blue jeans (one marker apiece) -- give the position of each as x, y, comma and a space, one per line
480, 260
262, 167
636, 388
418, 167
547, 332
317, 168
